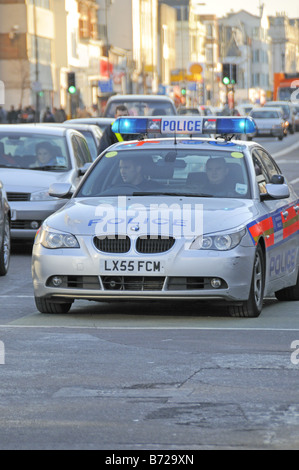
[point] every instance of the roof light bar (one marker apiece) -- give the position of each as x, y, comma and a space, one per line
184, 125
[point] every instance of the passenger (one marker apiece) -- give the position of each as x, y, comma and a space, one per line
217, 173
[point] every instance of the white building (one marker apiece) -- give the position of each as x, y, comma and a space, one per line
130, 29
245, 41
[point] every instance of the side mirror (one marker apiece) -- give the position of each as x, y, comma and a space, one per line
277, 191
61, 190
84, 169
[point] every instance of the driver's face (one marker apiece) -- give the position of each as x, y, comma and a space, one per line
129, 172
120, 113
43, 155
216, 171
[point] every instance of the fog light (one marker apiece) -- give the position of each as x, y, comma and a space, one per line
216, 282
34, 224
56, 281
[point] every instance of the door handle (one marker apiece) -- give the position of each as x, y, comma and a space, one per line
285, 214
296, 208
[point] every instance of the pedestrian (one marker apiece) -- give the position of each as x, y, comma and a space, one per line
12, 115
48, 115
109, 137
2, 115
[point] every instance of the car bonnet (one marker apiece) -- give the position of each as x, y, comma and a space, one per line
100, 216
19, 180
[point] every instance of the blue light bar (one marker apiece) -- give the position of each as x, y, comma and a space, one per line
131, 125
229, 125
191, 125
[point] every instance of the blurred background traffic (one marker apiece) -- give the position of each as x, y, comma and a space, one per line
62, 59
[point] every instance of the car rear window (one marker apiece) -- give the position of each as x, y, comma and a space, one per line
142, 108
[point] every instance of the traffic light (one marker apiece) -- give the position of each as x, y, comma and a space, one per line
226, 74
183, 91
229, 74
233, 74
71, 83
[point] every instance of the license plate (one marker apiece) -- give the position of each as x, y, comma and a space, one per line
119, 266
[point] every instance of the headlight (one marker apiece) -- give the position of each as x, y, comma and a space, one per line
222, 242
54, 239
41, 196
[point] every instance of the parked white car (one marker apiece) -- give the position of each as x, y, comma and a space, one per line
5, 245
27, 179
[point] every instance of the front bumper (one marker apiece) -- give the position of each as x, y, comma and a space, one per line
27, 216
278, 132
187, 274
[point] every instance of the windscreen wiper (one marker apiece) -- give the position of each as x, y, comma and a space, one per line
152, 193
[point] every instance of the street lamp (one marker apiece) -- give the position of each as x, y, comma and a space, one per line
37, 84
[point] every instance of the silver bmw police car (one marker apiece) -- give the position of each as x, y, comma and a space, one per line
189, 217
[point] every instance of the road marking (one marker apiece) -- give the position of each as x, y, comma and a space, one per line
285, 150
288, 161
94, 327
17, 296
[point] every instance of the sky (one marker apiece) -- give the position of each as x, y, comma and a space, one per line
222, 7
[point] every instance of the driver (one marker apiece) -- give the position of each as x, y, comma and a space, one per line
131, 172
45, 154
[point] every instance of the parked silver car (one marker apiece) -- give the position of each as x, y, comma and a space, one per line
296, 113
269, 122
31, 158
141, 105
101, 122
91, 132
5, 217
287, 111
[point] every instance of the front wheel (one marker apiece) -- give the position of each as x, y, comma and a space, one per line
46, 306
5, 248
253, 306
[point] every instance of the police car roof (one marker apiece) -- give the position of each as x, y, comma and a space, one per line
204, 143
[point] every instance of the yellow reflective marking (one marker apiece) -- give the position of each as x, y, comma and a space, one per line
237, 154
111, 154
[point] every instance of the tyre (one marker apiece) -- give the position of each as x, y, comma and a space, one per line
5, 248
253, 306
289, 293
46, 306
280, 137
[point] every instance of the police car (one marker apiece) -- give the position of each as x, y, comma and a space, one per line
181, 218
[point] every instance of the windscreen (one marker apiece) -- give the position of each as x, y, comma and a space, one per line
264, 114
207, 173
142, 108
34, 151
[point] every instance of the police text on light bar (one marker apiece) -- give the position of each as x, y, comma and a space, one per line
184, 125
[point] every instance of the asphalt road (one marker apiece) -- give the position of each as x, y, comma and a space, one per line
155, 377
